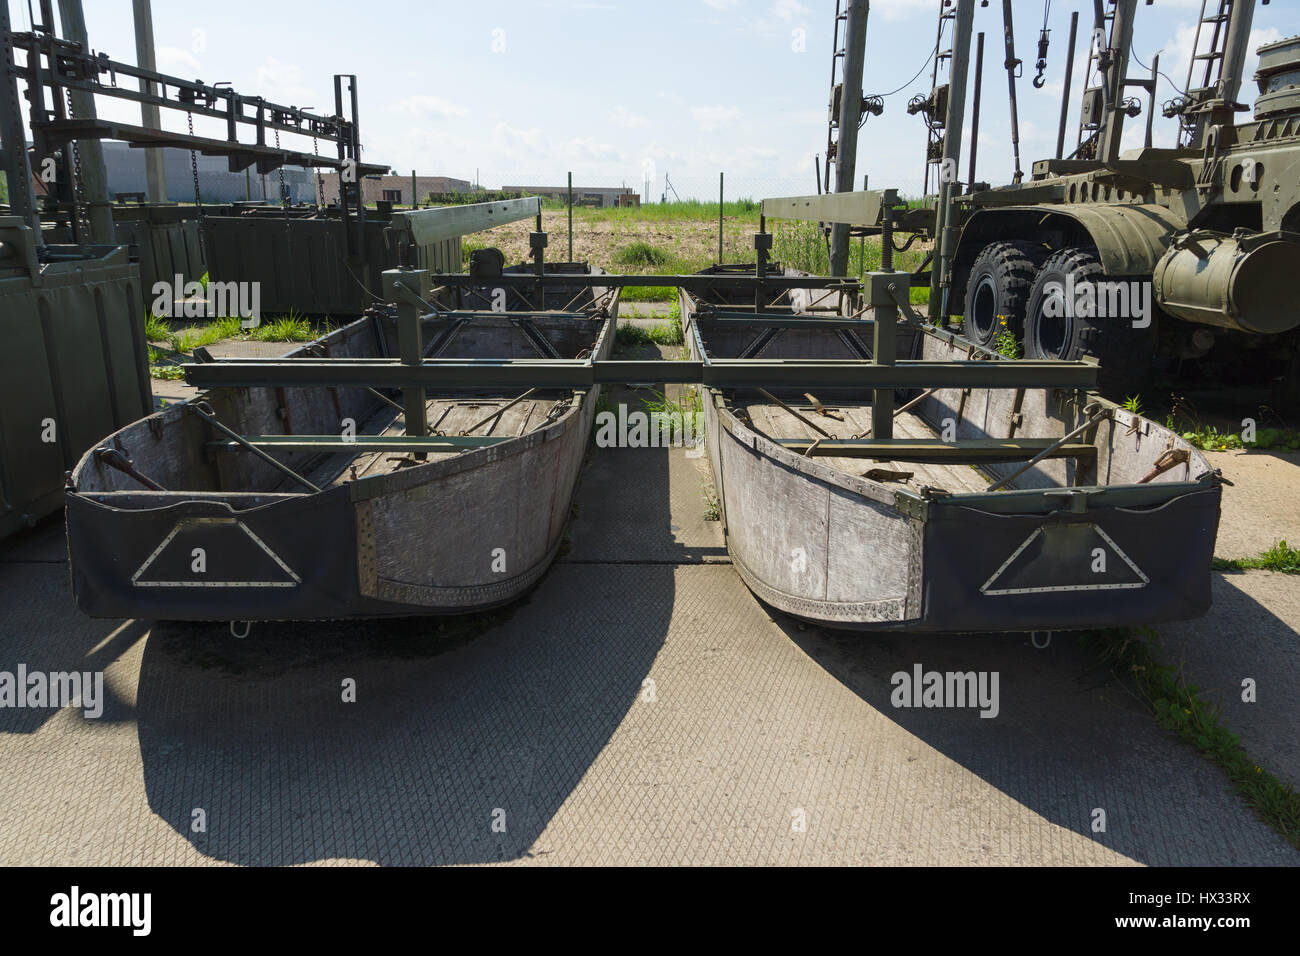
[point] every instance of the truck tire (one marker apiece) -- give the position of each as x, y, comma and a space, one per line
998, 290
1125, 353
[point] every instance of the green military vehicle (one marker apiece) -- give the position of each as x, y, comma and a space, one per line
1151, 255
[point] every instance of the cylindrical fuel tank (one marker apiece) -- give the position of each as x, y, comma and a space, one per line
1214, 281
1278, 77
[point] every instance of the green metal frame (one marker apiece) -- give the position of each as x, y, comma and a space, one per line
402, 443
962, 451
584, 373
693, 281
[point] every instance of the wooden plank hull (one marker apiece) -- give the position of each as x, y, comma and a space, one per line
1072, 543
234, 539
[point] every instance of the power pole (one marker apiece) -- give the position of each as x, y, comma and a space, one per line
1121, 41
14, 159
154, 170
945, 237
846, 150
93, 177
1012, 66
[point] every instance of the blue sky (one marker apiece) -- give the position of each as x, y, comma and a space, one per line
612, 90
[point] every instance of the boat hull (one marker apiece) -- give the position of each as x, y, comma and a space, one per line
1053, 553
467, 534
459, 532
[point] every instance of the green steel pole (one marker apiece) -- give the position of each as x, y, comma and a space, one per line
720, 178
570, 216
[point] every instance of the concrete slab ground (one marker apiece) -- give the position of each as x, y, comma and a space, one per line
1251, 632
639, 707
1262, 505
172, 391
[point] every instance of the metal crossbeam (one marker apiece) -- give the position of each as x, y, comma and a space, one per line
863, 208
427, 226
54, 134
963, 451
363, 442
471, 314
692, 282
582, 374
773, 321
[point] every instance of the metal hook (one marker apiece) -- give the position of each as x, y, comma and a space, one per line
248, 626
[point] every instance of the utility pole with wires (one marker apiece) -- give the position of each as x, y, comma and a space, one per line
847, 111
934, 106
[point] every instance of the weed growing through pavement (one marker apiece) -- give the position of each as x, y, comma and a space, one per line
1281, 557
1177, 706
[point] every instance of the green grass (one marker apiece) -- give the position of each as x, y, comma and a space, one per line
1280, 557
689, 404
197, 336
642, 254
1007, 344
183, 341
285, 328
156, 329
1133, 404
649, 293
632, 335
1209, 438
1177, 706
803, 245
168, 373
161, 365
743, 209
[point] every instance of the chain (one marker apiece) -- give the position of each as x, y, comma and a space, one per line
284, 200
284, 206
80, 212
198, 197
320, 180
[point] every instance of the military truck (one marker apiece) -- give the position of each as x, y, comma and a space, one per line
1150, 253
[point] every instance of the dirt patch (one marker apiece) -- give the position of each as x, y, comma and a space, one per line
691, 242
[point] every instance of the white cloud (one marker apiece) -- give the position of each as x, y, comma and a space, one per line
422, 105
789, 10
722, 4
177, 62
282, 82
622, 117
900, 9
712, 118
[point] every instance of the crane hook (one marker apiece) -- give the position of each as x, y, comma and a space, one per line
1040, 79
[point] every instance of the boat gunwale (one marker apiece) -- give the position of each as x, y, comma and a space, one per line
368, 487
1147, 494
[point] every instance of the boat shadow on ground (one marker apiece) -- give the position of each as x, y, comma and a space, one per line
42, 631
464, 739
1069, 738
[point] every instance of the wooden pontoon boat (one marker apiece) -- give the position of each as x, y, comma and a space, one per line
941, 526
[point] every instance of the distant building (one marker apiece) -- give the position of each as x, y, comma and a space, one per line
124, 169
397, 188
582, 195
